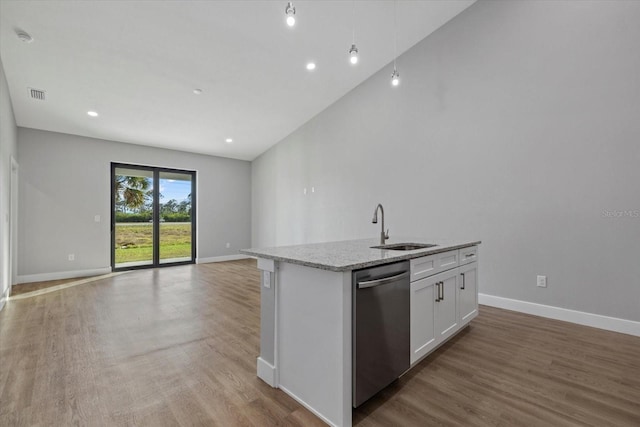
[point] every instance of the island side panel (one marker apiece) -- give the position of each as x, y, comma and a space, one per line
266, 363
313, 325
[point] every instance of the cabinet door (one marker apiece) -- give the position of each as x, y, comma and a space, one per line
446, 314
468, 292
423, 336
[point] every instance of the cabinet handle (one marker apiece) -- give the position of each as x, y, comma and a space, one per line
439, 292
442, 291
469, 255
463, 281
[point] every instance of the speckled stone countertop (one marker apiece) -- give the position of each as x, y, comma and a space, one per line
353, 254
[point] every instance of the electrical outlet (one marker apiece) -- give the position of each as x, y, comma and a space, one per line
228, 245
96, 218
266, 278
72, 257
542, 281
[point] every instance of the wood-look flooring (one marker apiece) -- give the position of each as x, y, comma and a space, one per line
178, 346
26, 288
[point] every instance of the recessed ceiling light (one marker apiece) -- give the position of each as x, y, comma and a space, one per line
24, 36
197, 91
92, 113
311, 66
228, 141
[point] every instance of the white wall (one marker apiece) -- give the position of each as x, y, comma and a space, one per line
8, 140
65, 182
517, 123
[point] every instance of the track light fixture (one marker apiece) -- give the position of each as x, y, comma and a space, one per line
290, 11
395, 76
353, 54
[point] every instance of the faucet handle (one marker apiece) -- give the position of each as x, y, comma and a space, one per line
386, 236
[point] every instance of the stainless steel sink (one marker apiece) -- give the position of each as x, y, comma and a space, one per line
404, 246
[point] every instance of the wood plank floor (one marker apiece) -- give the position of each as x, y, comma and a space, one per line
178, 346
26, 288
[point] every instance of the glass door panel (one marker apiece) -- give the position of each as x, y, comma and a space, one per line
134, 212
176, 221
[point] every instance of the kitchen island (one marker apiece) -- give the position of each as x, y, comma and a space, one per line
307, 295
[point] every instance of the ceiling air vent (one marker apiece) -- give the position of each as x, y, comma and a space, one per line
36, 94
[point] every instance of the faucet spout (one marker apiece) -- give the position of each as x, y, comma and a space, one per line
383, 236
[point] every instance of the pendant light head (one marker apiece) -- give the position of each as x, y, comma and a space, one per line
353, 54
290, 11
395, 78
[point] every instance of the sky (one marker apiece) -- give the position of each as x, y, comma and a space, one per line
174, 189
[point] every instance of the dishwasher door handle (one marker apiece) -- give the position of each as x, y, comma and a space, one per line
383, 281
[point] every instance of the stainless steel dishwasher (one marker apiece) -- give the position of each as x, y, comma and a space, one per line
381, 336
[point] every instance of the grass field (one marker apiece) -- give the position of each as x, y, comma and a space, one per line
134, 242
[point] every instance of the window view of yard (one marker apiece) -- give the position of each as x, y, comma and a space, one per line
134, 207
134, 241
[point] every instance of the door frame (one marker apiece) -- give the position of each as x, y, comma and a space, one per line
156, 170
13, 224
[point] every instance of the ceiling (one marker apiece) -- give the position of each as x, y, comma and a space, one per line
137, 63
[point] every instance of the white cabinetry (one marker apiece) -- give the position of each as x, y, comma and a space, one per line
447, 304
468, 255
434, 316
432, 264
423, 328
444, 298
467, 292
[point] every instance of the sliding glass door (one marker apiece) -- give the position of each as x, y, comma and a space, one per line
153, 216
176, 217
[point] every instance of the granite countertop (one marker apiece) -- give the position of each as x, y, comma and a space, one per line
353, 254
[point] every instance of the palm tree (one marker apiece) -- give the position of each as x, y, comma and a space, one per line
169, 207
132, 191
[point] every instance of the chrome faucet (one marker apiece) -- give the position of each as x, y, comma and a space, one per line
383, 236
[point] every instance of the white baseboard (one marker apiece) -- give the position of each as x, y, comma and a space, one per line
221, 258
614, 324
267, 372
43, 277
309, 407
3, 298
